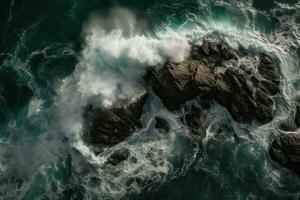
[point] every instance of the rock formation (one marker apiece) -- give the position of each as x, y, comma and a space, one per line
285, 150
113, 125
246, 94
118, 155
212, 72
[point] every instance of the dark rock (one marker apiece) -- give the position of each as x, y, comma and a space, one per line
285, 150
264, 107
245, 93
202, 78
118, 156
227, 53
172, 83
206, 48
113, 125
162, 125
214, 51
195, 121
270, 71
270, 86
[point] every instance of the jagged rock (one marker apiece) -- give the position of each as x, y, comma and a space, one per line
162, 125
164, 85
113, 125
270, 71
245, 93
177, 83
285, 150
118, 156
214, 51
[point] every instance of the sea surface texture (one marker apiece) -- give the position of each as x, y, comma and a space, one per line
55, 55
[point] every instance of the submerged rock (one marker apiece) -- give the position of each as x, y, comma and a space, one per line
285, 150
112, 125
118, 156
195, 121
162, 125
245, 93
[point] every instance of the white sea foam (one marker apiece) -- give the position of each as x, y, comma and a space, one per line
35, 107
113, 64
116, 54
115, 57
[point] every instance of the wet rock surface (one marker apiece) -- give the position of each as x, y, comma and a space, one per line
195, 121
245, 92
113, 125
118, 156
285, 150
212, 73
162, 125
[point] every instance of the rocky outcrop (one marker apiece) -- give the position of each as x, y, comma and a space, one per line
212, 72
245, 92
113, 125
172, 82
270, 72
285, 150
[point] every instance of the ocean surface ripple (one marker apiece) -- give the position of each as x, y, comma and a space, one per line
56, 55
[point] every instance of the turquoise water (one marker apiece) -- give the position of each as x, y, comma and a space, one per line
55, 55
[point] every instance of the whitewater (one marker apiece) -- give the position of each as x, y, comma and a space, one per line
43, 155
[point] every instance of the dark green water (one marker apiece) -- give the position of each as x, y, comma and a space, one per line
55, 54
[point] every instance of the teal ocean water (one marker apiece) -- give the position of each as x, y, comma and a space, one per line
56, 54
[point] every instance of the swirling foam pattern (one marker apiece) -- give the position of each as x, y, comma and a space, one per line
55, 55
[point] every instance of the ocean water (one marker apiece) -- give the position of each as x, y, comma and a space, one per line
56, 55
